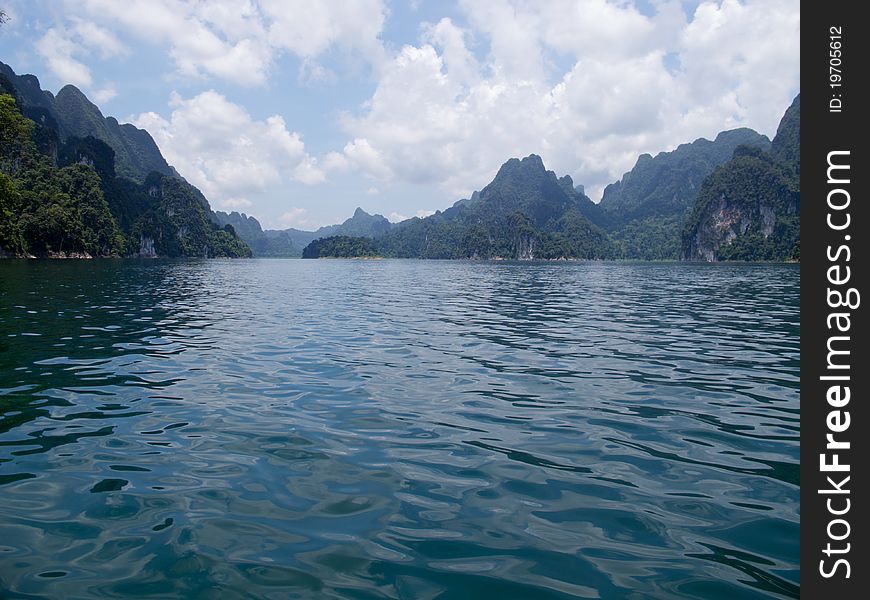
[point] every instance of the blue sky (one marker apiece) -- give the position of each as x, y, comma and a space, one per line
297, 112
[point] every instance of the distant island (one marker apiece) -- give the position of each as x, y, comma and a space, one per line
342, 246
74, 183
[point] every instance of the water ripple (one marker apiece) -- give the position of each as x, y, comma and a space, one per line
398, 429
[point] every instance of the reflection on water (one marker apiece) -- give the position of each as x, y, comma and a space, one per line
398, 429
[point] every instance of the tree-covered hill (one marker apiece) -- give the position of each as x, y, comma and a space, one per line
73, 115
525, 213
749, 208
647, 209
60, 195
341, 246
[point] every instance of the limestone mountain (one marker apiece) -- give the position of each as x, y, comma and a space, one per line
526, 212
527, 187
786, 145
667, 184
67, 188
136, 153
749, 208
268, 244
361, 224
645, 211
290, 242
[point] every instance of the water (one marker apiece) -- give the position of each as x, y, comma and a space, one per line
398, 429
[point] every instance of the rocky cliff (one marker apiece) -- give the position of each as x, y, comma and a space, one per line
749, 208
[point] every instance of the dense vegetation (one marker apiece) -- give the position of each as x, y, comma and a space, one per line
646, 210
44, 209
63, 198
71, 114
341, 246
749, 208
525, 213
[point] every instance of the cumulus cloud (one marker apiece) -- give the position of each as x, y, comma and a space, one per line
310, 28
104, 94
58, 51
239, 40
225, 152
63, 49
588, 85
222, 39
236, 203
295, 217
99, 38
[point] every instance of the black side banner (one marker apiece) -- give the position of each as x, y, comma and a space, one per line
835, 422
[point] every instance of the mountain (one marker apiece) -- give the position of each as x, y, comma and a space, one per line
526, 212
136, 153
645, 210
525, 186
361, 224
786, 145
274, 244
73, 183
290, 242
749, 207
667, 184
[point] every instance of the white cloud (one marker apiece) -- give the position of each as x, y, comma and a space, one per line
236, 203
310, 28
221, 149
335, 161
754, 51
222, 39
58, 50
295, 217
239, 40
587, 85
308, 172
62, 50
104, 94
99, 38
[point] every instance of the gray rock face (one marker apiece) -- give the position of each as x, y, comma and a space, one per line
146, 247
749, 207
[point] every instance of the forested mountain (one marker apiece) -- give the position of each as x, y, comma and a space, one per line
60, 194
71, 114
526, 212
645, 211
262, 243
290, 242
733, 198
749, 208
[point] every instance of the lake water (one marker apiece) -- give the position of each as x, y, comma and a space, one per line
398, 429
